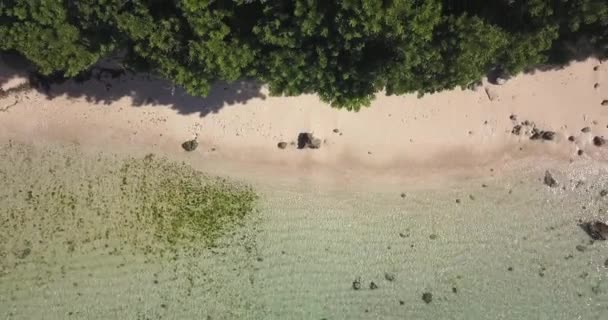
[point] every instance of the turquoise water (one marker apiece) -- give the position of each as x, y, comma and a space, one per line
507, 250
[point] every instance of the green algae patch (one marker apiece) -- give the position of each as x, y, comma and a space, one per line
181, 205
60, 197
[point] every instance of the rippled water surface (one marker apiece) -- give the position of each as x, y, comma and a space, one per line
501, 248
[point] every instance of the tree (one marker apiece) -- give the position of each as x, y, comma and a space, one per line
343, 50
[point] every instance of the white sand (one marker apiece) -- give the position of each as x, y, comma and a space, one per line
396, 137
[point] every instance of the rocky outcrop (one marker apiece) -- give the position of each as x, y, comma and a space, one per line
549, 180
597, 230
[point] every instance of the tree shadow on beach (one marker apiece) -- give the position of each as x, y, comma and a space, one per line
101, 85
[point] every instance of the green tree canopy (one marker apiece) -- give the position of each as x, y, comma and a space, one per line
343, 50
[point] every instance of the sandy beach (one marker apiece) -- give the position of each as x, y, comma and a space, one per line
415, 195
397, 136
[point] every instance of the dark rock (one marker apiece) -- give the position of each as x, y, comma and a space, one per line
433, 236
307, 140
597, 230
599, 141
510, 268
23, 253
605, 103
427, 297
513, 117
402, 195
580, 152
373, 286
536, 134
357, 283
454, 289
581, 248
457, 200
571, 138
389, 276
603, 193
336, 131
606, 263
586, 129
526, 123
282, 145
516, 130
190, 145
401, 302
549, 180
595, 86
548, 135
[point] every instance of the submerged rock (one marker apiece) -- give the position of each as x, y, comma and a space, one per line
549, 180
427, 297
389, 276
190, 145
373, 286
597, 230
357, 283
603, 193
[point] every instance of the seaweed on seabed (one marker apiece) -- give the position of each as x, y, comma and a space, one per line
185, 206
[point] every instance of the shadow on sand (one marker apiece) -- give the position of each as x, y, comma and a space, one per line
105, 85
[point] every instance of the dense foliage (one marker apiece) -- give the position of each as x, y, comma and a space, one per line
343, 50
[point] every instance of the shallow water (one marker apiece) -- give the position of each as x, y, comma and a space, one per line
505, 251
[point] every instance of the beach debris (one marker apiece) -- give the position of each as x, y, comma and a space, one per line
373, 286
282, 145
581, 248
599, 141
427, 297
357, 283
190, 145
605, 102
389, 276
549, 180
307, 140
492, 95
586, 129
603, 193
597, 230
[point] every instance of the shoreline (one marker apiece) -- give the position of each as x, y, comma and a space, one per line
397, 140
